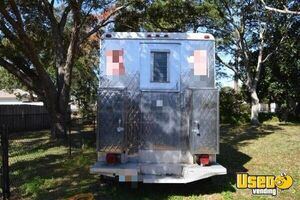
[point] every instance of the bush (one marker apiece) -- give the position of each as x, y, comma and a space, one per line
233, 108
271, 117
288, 113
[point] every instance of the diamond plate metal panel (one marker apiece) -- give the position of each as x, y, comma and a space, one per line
160, 120
204, 128
186, 118
111, 106
132, 114
119, 104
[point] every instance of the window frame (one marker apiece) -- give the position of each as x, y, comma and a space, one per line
152, 52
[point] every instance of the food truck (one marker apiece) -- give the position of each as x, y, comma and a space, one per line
158, 108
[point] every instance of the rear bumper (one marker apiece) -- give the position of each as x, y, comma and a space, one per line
158, 173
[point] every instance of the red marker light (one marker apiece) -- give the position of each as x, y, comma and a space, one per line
112, 158
206, 36
203, 159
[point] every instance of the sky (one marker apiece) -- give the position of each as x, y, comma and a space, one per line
227, 81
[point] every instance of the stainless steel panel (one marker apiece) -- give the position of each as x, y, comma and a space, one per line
160, 120
119, 104
148, 126
204, 126
132, 121
111, 117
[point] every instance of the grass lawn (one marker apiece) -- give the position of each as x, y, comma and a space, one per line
42, 169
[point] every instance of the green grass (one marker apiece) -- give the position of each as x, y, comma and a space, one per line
42, 169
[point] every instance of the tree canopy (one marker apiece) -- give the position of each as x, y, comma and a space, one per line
40, 42
47, 45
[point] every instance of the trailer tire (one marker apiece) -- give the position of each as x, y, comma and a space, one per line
108, 180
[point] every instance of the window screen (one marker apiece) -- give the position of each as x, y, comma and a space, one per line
160, 66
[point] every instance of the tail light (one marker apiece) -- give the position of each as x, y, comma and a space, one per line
203, 159
113, 158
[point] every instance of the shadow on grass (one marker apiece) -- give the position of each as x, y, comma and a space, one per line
241, 135
161, 191
54, 176
231, 139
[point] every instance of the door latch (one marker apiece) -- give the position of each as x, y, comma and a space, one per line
120, 128
196, 129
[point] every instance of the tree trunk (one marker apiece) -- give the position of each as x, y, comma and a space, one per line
254, 107
235, 82
59, 117
58, 126
59, 123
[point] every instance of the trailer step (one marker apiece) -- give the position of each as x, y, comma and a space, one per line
161, 169
163, 179
191, 173
128, 169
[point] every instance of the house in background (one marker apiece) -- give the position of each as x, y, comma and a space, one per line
267, 108
21, 97
18, 97
6, 97
19, 113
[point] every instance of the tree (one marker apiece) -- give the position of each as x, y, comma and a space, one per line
280, 78
8, 81
285, 9
233, 109
45, 66
86, 78
163, 16
242, 27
